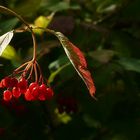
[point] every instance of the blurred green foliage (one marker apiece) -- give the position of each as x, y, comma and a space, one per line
108, 33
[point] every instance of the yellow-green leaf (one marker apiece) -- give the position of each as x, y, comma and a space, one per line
9, 53
43, 22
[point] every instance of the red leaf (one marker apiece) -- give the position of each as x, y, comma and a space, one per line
77, 59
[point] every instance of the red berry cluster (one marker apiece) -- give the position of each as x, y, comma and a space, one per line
31, 92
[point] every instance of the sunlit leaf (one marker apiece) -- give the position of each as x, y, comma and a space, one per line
9, 53
5, 40
77, 59
63, 118
42, 21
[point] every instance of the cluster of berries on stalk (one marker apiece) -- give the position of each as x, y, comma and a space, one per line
31, 92
27, 80
22, 86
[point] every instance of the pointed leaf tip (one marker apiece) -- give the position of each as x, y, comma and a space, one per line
77, 59
5, 40
86, 76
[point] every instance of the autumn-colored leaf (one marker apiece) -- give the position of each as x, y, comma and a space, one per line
77, 59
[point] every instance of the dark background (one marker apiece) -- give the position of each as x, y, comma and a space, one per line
108, 33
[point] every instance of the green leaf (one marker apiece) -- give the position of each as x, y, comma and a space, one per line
60, 6
9, 53
27, 7
63, 118
42, 21
8, 25
130, 64
62, 60
60, 67
54, 74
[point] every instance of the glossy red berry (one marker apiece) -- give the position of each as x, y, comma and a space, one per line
23, 85
50, 93
13, 82
43, 88
16, 92
45, 93
28, 96
7, 95
1, 85
42, 97
6, 82
35, 92
42, 92
33, 85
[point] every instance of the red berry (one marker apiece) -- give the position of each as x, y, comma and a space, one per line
42, 97
9, 82
23, 85
35, 92
45, 93
50, 93
7, 95
33, 85
1, 86
42, 92
13, 82
6, 82
16, 92
43, 88
28, 96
